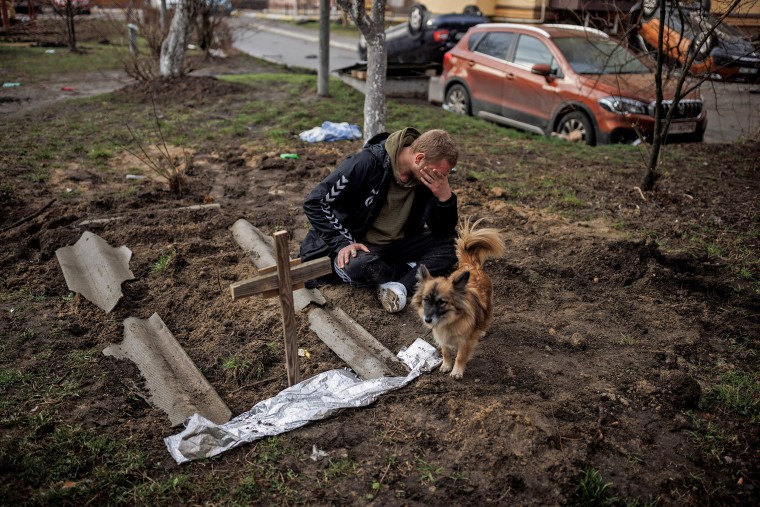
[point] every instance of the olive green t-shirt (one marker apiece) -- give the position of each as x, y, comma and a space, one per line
389, 224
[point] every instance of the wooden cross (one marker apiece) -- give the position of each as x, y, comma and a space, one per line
281, 280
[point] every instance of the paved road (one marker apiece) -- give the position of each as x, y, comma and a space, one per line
733, 111
733, 108
285, 44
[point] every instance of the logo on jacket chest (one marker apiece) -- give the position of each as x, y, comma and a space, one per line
369, 200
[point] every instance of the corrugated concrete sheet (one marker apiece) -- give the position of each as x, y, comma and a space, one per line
176, 385
95, 270
355, 345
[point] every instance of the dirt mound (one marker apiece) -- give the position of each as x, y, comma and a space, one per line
183, 90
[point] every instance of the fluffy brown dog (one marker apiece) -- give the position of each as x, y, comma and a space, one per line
458, 308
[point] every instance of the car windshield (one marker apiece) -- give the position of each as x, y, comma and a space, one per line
598, 56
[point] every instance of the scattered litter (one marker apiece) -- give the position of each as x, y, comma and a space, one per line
447, 107
217, 53
177, 386
317, 454
572, 137
136, 176
289, 155
50, 52
191, 46
95, 269
330, 131
319, 397
67, 89
304, 353
197, 207
99, 221
11, 85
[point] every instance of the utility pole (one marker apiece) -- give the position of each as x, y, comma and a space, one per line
323, 76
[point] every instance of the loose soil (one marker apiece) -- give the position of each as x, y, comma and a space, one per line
600, 356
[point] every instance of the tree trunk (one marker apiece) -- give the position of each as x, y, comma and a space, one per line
162, 15
652, 173
173, 48
377, 66
374, 100
70, 29
374, 32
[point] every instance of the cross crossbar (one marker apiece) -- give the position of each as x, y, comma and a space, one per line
267, 283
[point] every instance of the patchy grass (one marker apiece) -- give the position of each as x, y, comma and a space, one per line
593, 491
29, 65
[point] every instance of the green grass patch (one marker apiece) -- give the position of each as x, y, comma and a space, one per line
428, 472
71, 465
711, 439
241, 369
163, 262
265, 479
738, 393
30, 65
592, 491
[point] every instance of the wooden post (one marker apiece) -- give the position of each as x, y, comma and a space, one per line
281, 280
286, 307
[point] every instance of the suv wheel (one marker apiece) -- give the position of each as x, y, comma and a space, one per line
458, 100
472, 9
417, 16
649, 7
576, 121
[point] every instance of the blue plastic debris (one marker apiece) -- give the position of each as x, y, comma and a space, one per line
330, 131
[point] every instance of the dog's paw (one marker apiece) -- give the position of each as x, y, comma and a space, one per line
457, 374
446, 367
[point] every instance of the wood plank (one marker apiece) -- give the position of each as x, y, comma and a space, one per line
273, 267
268, 282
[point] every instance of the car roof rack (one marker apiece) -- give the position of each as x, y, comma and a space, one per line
581, 28
540, 28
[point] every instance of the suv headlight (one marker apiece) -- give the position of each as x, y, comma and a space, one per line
622, 105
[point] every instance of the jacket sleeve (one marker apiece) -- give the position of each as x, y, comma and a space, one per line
443, 217
333, 201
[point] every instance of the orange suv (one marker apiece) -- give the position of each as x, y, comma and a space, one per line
567, 79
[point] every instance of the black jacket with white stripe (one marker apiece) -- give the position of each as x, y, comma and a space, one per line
345, 204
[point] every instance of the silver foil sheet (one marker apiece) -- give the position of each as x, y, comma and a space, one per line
318, 397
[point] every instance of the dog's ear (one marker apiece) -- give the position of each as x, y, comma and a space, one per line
422, 273
460, 282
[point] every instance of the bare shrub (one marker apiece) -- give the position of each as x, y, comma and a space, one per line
160, 160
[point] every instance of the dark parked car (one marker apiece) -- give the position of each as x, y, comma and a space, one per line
561, 78
722, 52
425, 37
23, 7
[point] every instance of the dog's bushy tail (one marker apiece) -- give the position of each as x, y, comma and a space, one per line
475, 246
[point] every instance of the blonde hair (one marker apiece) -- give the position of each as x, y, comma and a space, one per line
436, 145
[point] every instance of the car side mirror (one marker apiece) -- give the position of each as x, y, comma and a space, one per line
543, 69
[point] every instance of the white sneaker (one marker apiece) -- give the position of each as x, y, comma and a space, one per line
392, 296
